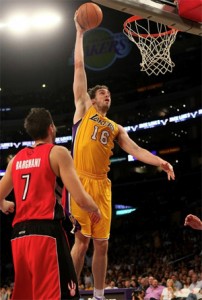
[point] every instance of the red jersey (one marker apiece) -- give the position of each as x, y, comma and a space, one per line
34, 185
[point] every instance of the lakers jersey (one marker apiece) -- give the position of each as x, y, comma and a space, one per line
93, 141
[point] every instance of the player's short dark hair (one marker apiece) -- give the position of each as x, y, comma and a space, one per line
37, 123
92, 91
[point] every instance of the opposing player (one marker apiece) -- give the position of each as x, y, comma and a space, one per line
41, 255
93, 140
193, 221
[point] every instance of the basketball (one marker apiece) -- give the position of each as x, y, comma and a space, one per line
89, 15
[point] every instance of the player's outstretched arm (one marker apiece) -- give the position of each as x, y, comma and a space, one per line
6, 187
128, 145
193, 221
63, 166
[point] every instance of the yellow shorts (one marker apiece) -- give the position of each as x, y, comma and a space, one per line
100, 191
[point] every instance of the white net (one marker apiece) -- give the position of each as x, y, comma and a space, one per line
154, 47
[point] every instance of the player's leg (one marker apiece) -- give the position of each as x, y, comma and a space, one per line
23, 279
45, 267
52, 266
78, 251
100, 234
99, 263
68, 277
83, 236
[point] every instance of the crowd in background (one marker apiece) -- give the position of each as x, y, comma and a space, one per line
160, 254
135, 257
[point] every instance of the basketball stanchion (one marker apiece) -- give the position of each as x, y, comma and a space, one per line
154, 41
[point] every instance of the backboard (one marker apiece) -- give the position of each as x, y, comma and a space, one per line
162, 11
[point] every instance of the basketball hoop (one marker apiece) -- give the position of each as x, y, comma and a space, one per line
154, 47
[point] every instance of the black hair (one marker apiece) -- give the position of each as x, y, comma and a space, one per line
37, 123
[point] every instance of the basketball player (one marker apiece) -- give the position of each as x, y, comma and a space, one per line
193, 221
93, 141
41, 255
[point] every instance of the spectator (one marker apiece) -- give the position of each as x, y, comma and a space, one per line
168, 291
88, 278
138, 294
195, 283
112, 285
187, 282
150, 280
154, 291
133, 283
127, 284
5, 293
177, 284
89, 286
144, 283
195, 288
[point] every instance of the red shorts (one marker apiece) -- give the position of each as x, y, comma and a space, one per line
42, 262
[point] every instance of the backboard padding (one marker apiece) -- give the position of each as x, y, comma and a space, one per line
156, 11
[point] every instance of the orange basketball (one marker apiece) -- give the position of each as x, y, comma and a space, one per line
89, 15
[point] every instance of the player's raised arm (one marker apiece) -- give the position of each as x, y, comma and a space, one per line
81, 98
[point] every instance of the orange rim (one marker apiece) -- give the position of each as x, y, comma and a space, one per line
136, 18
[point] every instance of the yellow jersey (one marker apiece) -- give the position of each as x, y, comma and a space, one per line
93, 141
